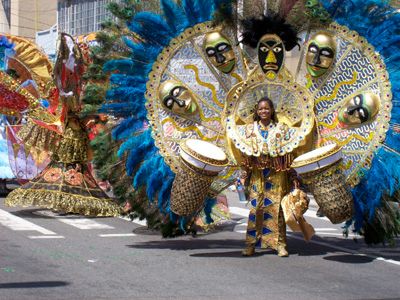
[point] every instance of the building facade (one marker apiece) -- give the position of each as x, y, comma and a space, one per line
79, 17
26, 17
47, 40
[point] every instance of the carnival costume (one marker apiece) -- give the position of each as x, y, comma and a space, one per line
196, 87
5, 169
24, 71
30, 81
66, 184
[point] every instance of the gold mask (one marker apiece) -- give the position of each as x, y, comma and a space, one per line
177, 98
359, 109
320, 54
219, 52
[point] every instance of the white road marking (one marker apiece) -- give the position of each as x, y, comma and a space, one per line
117, 234
76, 221
337, 234
244, 212
391, 261
140, 222
136, 221
18, 224
312, 214
85, 224
45, 237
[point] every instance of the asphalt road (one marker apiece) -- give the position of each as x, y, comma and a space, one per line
44, 255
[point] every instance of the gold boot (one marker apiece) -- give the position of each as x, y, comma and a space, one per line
249, 251
282, 252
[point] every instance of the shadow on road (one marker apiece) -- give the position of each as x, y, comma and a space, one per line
32, 284
31, 213
146, 231
295, 247
232, 254
349, 259
199, 243
190, 244
44, 213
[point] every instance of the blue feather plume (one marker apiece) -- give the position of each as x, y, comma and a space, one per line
206, 9
209, 204
174, 15
142, 52
6, 49
146, 168
122, 65
155, 180
127, 128
193, 11
144, 24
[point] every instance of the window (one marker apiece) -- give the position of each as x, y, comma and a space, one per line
78, 17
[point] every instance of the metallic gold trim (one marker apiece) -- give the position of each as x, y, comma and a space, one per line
366, 140
336, 89
237, 76
195, 69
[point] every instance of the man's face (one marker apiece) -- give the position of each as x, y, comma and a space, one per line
359, 109
271, 53
320, 54
177, 98
219, 52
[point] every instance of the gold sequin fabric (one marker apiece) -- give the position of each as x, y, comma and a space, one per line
73, 146
294, 205
279, 163
59, 201
266, 225
38, 137
65, 187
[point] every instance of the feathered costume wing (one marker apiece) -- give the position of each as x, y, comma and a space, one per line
151, 169
376, 197
188, 57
